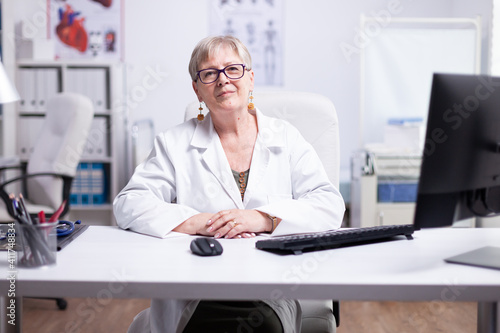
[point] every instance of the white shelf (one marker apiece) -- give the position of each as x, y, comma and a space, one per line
104, 207
101, 159
65, 62
102, 82
368, 172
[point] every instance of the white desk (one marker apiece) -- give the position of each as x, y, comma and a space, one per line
109, 262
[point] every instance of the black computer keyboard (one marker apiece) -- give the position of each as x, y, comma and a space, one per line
334, 238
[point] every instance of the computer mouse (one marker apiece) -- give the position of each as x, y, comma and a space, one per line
204, 246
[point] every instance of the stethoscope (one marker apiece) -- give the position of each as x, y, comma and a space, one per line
64, 228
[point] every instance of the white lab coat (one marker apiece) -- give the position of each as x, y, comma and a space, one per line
188, 173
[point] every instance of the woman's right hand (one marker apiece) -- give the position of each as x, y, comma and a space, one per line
199, 224
195, 225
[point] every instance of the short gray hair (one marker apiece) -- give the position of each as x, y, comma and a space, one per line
209, 46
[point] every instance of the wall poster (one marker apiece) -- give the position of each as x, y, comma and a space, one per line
259, 25
398, 68
86, 28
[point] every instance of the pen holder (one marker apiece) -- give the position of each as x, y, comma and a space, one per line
37, 244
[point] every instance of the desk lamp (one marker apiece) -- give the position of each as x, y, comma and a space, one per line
7, 91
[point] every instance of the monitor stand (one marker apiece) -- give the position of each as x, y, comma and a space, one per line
488, 257
487, 312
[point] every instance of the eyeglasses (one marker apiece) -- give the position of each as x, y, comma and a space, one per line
233, 72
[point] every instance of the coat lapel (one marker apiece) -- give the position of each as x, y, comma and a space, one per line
270, 135
205, 138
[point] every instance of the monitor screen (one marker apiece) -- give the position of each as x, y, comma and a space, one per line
460, 172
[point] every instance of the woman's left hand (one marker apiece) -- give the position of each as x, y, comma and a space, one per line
237, 223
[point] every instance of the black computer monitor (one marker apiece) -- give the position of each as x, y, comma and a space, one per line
460, 172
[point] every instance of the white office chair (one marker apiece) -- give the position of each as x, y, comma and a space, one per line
45, 180
312, 114
316, 118
143, 136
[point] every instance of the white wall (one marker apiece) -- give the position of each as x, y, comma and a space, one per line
495, 40
160, 35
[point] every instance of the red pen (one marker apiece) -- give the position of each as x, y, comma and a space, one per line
41, 217
58, 212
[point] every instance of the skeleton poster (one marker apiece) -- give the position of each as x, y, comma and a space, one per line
259, 25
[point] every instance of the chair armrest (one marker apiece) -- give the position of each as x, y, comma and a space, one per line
32, 175
4, 168
11, 167
67, 180
9, 161
336, 312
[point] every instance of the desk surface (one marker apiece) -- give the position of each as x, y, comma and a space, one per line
110, 262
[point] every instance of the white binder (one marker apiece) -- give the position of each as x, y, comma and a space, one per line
29, 130
50, 81
36, 86
90, 82
97, 145
27, 92
98, 93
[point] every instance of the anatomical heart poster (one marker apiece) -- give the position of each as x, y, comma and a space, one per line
84, 29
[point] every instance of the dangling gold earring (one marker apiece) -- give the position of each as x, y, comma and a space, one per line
201, 116
251, 106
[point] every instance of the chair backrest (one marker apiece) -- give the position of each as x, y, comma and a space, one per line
312, 114
59, 146
143, 135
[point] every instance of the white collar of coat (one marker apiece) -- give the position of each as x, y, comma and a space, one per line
269, 131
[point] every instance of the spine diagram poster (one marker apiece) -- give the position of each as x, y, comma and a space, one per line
258, 24
86, 28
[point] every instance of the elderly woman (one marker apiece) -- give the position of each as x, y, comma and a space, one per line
218, 176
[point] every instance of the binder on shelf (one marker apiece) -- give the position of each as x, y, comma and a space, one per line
98, 185
29, 130
402, 190
89, 186
41, 89
98, 91
74, 81
36, 86
97, 145
48, 81
27, 91
90, 82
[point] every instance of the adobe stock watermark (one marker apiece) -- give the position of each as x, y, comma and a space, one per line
372, 29
11, 306
456, 114
212, 189
450, 293
276, 125
151, 81
33, 26
97, 136
224, 9
295, 276
88, 311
